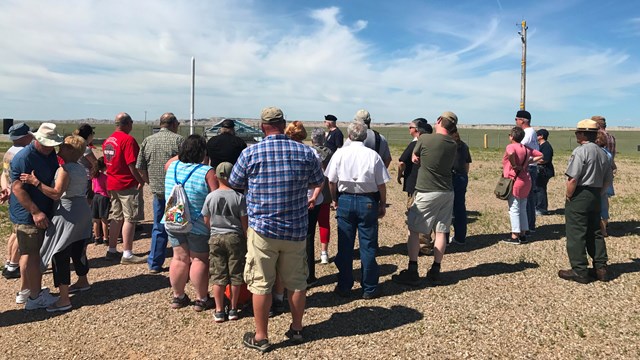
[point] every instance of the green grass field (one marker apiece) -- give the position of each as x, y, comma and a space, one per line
398, 136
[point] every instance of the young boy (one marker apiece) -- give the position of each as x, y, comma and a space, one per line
225, 212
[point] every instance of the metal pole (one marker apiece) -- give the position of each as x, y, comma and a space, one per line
523, 81
145, 117
193, 85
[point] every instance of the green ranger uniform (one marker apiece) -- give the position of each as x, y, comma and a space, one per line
591, 169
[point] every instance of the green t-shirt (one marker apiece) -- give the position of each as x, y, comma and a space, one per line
437, 153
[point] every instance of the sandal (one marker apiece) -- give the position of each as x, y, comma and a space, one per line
177, 303
249, 340
75, 289
294, 335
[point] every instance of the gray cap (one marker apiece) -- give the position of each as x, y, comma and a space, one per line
18, 131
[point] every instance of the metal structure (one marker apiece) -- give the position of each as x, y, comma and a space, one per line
193, 85
523, 80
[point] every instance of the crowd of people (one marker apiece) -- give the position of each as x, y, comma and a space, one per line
250, 212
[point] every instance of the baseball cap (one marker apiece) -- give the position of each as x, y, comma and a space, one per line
18, 131
223, 170
362, 115
271, 115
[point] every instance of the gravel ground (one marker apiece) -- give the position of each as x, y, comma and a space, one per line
497, 300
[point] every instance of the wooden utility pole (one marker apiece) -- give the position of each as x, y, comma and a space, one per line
523, 80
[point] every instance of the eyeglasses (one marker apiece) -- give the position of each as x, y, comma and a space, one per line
412, 127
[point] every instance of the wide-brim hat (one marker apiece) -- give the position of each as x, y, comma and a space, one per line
47, 135
587, 125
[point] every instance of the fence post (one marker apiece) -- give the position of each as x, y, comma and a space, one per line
486, 141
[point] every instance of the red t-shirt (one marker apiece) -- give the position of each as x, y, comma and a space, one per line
119, 150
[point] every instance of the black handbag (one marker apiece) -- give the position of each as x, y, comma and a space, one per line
504, 187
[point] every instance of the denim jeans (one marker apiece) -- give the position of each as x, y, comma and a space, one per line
542, 204
531, 199
460, 182
518, 214
357, 213
159, 237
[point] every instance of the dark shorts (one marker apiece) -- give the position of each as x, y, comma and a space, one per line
100, 207
226, 258
30, 239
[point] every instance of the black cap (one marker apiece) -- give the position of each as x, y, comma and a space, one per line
524, 114
229, 124
330, 117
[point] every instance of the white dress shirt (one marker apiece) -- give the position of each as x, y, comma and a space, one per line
357, 169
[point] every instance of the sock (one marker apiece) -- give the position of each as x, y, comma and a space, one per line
127, 254
324, 253
279, 297
413, 266
112, 250
435, 266
12, 267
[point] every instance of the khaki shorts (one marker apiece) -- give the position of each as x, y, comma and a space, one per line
429, 209
30, 239
227, 254
266, 257
126, 204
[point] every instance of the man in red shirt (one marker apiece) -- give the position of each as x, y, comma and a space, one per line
124, 183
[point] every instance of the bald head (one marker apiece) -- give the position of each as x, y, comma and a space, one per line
124, 122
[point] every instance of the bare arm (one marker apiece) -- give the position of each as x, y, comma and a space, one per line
55, 192
212, 180
39, 218
207, 220
245, 223
572, 184
136, 175
144, 174
401, 167
333, 188
314, 196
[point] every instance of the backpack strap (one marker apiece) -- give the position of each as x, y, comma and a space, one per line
378, 140
175, 174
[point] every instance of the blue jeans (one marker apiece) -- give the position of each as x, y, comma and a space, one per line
159, 238
357, 213
518, 214
460, 182
531, 199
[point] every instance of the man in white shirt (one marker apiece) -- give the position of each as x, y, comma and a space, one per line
523, 120
357, 177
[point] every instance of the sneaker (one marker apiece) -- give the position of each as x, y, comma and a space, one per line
44, 300
342, 293
406, 277
324, 258
11, 274
511, 241
22, 296
178, 303
207, 304
53, 308
371, 295
434, 276
233, 314
455, 241
249, 340
218, 316
133, 260
523, 239
113, 256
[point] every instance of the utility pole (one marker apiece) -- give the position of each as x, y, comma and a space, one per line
523, 80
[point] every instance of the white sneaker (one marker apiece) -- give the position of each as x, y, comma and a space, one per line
324, 258
22, 295
44, 300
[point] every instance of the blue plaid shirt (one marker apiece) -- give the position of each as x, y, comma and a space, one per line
277, 172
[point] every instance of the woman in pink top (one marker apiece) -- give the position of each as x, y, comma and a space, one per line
514, 166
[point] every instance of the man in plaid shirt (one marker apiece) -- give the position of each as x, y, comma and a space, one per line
276, 173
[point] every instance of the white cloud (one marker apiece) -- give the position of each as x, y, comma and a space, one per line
71, 59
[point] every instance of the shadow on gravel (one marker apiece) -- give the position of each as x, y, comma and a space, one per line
359, 321
390, 288
102, 292
617, 269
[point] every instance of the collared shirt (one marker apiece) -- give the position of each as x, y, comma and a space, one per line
154, 153
357, 169
277, 173
589, 166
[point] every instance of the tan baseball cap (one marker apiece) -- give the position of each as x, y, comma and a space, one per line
271, 115
451, 116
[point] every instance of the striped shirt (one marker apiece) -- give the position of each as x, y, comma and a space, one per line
277, 173
154, 153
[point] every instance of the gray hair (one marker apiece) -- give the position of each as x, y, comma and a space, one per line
422, 126
357, 131
317, 137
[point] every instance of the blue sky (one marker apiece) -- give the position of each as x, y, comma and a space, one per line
398, 59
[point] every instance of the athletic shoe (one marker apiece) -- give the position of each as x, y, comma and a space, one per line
324, 257
511, 241
113, 256
11, 274
233, 314
218, 316
406, 277
53, 308
43, 300
22, 296
133, 260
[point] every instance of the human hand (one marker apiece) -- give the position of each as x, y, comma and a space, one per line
140, 186
40, 220
311, 204
30, 179
382, 210
4, 196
